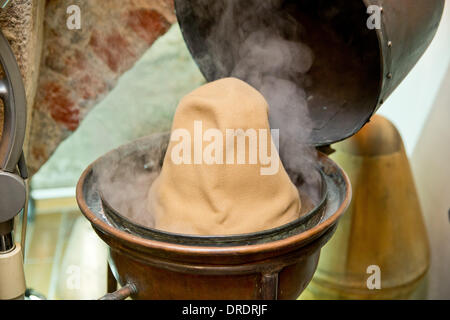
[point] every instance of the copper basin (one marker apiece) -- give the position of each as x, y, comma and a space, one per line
276, 265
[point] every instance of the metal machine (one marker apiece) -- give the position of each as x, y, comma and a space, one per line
13, 174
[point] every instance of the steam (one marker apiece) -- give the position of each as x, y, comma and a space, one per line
255, 41
124, 176
261, 44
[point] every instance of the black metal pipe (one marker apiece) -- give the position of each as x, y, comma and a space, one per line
6, 236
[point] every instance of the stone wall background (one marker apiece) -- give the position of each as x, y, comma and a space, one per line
67, 72
80, 67
142, 103
22, 23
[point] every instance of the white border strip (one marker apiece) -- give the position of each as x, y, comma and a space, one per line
56, 193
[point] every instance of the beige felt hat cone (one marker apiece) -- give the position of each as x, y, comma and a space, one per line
220, 182
381, 239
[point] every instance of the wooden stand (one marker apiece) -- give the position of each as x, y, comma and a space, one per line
382, 230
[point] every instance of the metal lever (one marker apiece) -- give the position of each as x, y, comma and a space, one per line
23, 171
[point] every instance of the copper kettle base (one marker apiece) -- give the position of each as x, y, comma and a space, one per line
277, 267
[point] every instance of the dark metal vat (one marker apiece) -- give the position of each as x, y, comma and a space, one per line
355, 68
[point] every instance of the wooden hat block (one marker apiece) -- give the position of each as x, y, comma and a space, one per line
383, 226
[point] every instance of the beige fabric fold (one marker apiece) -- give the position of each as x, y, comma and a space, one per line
221, 198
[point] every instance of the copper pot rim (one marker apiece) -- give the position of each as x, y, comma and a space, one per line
297, 240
